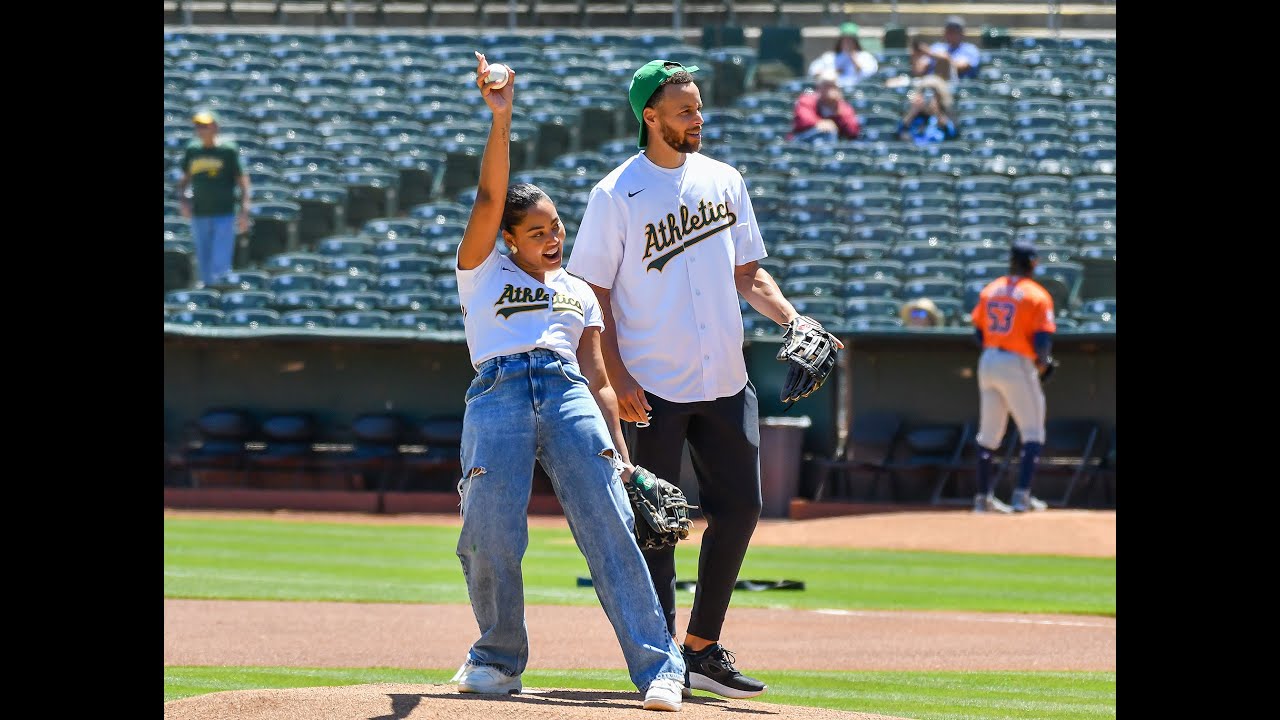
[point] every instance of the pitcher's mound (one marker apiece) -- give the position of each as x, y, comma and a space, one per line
386, 701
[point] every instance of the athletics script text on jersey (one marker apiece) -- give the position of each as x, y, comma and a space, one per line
206, 165
663, 237
522, 299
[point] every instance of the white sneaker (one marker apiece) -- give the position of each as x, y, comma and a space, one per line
988, 503
486, 680
1024, 501
663, 694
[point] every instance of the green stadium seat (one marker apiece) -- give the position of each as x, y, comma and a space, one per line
316, 318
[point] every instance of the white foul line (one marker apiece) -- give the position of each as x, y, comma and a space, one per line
968, 618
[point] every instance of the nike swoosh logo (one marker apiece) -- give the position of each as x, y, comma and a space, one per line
633, 194
508, 269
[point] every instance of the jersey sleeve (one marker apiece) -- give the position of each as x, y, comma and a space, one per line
598, 246
591, 314
233, 162
1043, 317
468, 280
748, 243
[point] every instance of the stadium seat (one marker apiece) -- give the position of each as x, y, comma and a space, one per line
217, 441
369, 195
872, 288
829, 233
992, 235
233, 300
295, 262
925, 269
802, 250
411, 301
815, 270
347, 282
250, 318
363, 320
404, 282
291, 300
873, 184
860, 250
1101, 309
321, 212
924, 456
873, 269
1043, 201
274, 228
929, 202
934, 289
202, 317
352, 301
242, 280
309, 319
908, 252
1001, 202
295, 280
400, 246
373, 460
421, 320
355, 265
193, 299
288, 448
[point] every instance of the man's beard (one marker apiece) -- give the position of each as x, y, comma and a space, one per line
689, 145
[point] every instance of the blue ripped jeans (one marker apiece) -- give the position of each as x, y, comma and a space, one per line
536, 404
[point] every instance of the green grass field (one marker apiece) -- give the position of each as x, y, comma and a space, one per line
267, 560
283, 560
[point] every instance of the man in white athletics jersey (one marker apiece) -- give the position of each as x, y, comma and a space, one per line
667, 243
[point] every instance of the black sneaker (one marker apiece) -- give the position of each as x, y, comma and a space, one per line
712, 670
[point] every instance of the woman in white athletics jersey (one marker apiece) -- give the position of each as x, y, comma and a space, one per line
533, 332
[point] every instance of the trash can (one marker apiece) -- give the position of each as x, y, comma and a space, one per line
781, 439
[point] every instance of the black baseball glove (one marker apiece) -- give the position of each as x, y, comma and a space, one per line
661, 511
1050, 366
811, 352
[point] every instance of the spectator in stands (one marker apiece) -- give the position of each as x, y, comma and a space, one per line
928, 119
921, 313
850, 62
953, 58
919, 66
823, 114
921, 60
211, 167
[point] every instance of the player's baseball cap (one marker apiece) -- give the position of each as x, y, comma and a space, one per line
849, 29
1023, 250
204, 117
954, 21
645, 83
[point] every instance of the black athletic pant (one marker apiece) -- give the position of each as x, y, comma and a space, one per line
724, 444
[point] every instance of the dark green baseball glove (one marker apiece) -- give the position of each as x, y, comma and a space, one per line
661, 511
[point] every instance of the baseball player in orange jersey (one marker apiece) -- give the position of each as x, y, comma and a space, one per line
1014, 324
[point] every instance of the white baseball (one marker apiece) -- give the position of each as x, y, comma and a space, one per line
498, 75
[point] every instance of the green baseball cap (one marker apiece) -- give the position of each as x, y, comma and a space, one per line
645, 83
849, 29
